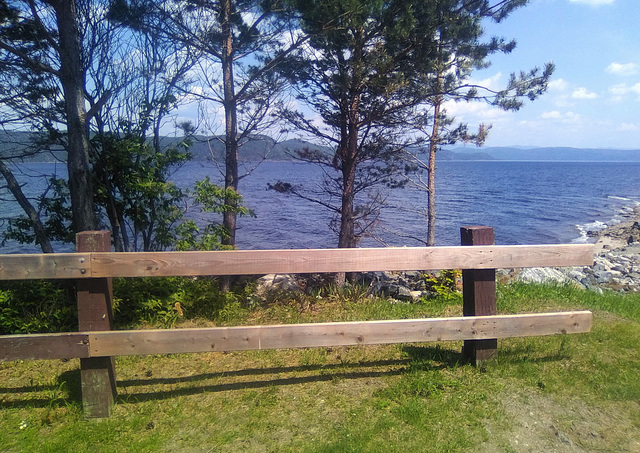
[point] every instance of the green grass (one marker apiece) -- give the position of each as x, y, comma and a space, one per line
539, 394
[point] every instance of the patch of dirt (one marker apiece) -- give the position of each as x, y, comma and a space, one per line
537, 422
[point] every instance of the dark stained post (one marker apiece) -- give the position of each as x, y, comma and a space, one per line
95, 312
478, 294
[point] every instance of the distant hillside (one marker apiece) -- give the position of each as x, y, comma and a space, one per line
557, 154
17, 143
258, 148
445, 154
264, 147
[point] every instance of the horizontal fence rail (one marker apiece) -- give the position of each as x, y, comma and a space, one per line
248, 262
173, 341
96, 344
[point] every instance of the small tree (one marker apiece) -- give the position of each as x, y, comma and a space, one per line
240, 43
460, 51
371, 72
362, 73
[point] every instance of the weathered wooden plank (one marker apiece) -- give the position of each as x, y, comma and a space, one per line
44, 346
246, 262
140, 342
44, 266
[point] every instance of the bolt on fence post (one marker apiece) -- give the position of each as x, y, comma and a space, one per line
94, 297
478, 294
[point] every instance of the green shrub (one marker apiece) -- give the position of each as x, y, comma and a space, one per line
162, 301
37, 306
445, 283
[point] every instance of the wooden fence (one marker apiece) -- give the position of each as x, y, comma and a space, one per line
96, 344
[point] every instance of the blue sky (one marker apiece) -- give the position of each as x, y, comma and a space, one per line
593, 100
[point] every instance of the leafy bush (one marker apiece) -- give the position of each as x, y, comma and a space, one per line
163, 301
445, 283
37, 307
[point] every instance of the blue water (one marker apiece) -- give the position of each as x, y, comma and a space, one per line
526, 203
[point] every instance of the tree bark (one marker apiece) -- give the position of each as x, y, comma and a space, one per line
229, 216
39, 230
73, 81
431, 175
433, 148
231, 123
346, 236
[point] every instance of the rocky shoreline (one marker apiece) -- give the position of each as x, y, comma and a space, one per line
616, 268
617, 261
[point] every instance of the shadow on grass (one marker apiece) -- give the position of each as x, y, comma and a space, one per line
433, 357
260, 371
330, 372
418, 357
67, 388
65, 391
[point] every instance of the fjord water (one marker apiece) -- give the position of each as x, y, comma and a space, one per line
526, 203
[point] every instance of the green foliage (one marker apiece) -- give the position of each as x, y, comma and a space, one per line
445, 283
132, 187
210, 197
347, 293
134, 196
37, 307
162, 301
55, 209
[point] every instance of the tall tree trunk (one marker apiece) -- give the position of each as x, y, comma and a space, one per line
433, 148
346, 236
231, 123
349, 155
72, 80
229, 217
431, 174
40, 232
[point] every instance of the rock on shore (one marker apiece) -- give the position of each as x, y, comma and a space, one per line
616, 267
617, 261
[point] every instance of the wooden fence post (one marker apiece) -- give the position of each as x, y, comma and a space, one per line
94, 296
478, 294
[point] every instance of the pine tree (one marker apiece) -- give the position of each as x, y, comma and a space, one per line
45, 38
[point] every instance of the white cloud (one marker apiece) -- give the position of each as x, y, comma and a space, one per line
566, 117
620, 90
583, 93
628, 127
593, 2
493, 82
558, 84
622, 69
552, 115
474, 111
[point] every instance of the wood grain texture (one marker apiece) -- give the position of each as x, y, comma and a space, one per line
44, 346
247, 262
44, 266
140, 342
94, 300
478, 294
